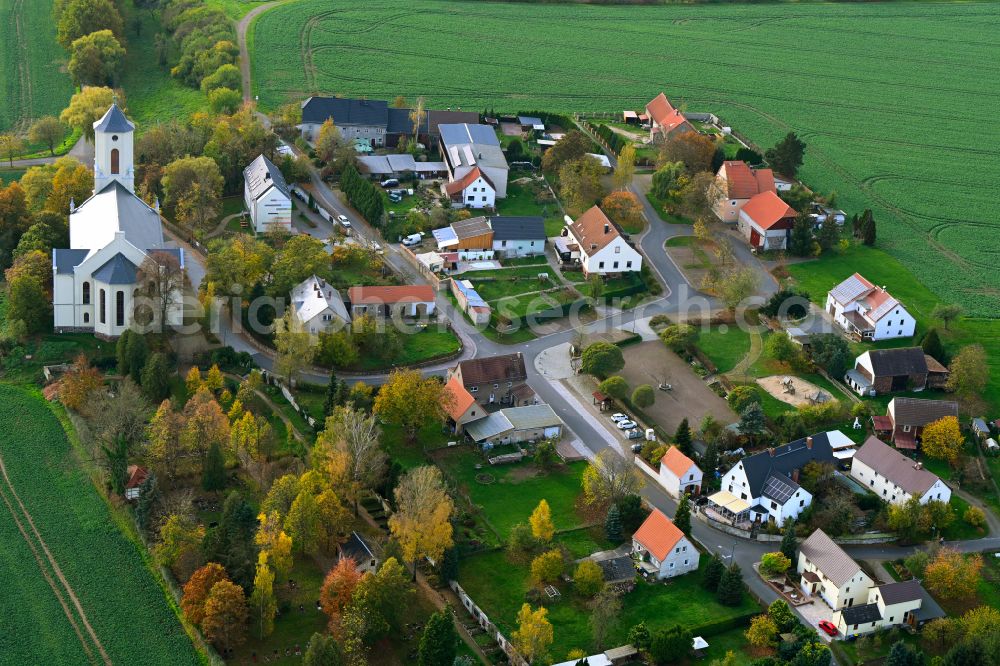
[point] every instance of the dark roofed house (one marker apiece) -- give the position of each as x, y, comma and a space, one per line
358, 549
910, 415
617, 569
881, 371
518, 236
496, 380
366, 119
890, 605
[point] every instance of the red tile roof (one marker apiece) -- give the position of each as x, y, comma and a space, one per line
658, 535
882, 422
136, 476
459, 185
593, 230
676, 461
414, 293
767, 210
744, 182
664, 114
461, 399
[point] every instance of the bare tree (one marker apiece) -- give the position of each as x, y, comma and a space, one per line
610, 478
417, 115
161, 280
349, 448
123, 412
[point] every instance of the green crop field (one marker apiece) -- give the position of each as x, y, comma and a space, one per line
894, 100
71, 544
33, 82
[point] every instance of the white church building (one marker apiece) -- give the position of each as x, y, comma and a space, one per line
94, 283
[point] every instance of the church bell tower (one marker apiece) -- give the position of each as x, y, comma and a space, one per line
113, 135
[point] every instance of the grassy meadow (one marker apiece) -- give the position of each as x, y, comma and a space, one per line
891, 98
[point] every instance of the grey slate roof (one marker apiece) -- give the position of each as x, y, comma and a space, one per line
829, 558
920, 412
861, 614
617, 569
894, 466
518, 228
117, 270
531, 417
367, 112
901, 361
114, 208
65, 260
760, 466
261, 174
489, 426
929, 609
357, 549
113, 120
398, 121
897, 593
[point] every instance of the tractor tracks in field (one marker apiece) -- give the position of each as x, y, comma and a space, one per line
25, 89
48, 567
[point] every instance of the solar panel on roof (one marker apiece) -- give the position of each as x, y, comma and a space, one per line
778, 490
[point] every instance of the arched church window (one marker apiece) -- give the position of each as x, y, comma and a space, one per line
86, 293
114, 160
86, 317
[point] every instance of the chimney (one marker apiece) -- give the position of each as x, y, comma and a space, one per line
809, 442
770, 451
607, 228
795, 475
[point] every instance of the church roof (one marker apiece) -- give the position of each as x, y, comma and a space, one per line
94, 223
117, 270
65, 260
114, 121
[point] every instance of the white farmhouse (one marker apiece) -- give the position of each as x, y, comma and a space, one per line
111, 234
467, 147
895, 478
661, 548
473, 190
266, 196
830, 572
890, 605
679, 474
318, 307
603, 250
867, 311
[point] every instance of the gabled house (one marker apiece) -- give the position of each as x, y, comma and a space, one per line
891, 605
459, 404
868, 312
473, 190
764, 486
511, 425
893, 477
318, 307
365, 119
679, 474
468, 146
266, 196
830, 572
471, 239
735, 184
518, 236
881, 371
603, 250
908, 416
358, 549
766, 221
661, 549
665, 120
495, 380
413, 300
137, 475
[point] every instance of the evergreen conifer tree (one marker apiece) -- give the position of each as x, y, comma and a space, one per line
613, 524
682, 517
213, 474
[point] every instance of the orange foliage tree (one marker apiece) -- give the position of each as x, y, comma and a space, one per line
197, 589
338, 587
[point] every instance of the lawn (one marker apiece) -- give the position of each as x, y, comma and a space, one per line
134, 619
522, 306
520, 200
421, 347
879, 75
725, 347
33, 82
818, 277
513, 491
499, 586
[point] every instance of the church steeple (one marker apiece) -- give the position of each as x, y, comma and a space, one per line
113, 159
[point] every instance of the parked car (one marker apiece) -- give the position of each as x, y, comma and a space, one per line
344, 221
376, 247
626, 425
635, 433
412, 239
636, 448
391, 182
828, 627
619, 417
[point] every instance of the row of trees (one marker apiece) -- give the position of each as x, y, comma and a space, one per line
92, 31
362, 194
205, 39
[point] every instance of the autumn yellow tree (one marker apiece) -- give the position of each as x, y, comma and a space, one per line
350, 452
541, 522
79, 384
626, 167
85, 107
422, 521
980, 621
273, 540
263, 605
205, 424
534, 633
193, 380
303, 523
943, 439
213, 380
547, 567
951, 575
762, 632
164, 447
623, 208
410, 401
294, 345
226, 612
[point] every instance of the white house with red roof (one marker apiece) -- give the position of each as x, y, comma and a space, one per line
664, 119
603, 249
868, 311
473, 190
411, 300
460, 405
735, 184
766, 221
136, 477
679, 474
661, 549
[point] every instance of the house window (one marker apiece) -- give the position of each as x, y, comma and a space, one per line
802, 502
671, 565
473, 389
677, 550
120, 308
600, 265
86, 317
114, 160
618, 249
496, 386
628, 264
774, 505
86, 293
104, 308
685, 562
743, 495
484, 198
890, 323
616, 265
906, 428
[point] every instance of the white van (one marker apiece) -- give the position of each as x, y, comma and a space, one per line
412, 239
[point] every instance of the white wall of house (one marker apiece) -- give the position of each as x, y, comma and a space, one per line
893, 615
323, 321
851, 593
519, 248
682, 558
269, 210
735, 481
479, 194
615, 257
675, 485
897, 324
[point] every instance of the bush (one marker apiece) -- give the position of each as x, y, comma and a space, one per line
643, 396
614, 386
774, 564
742, 397
547, 567
588, 579
601, 359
